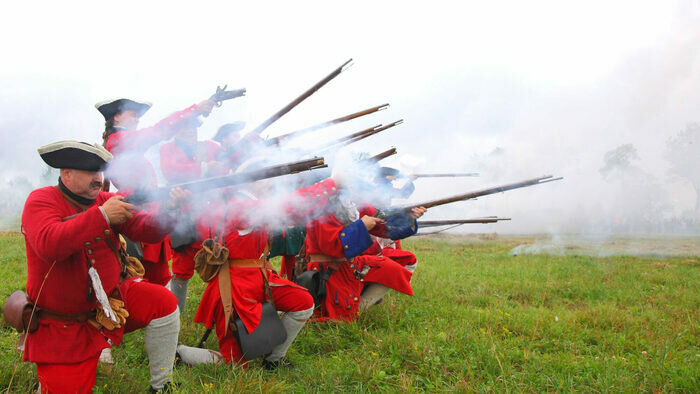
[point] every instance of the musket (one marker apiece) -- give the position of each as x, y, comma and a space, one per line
446, 175
383, 155
142, 196
347, 137
222, 95
470, 195
435, 223
347, 140
298, 133
301, 98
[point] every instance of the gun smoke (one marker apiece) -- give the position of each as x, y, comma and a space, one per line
616, 121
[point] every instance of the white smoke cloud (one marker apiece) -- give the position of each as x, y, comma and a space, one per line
509, 90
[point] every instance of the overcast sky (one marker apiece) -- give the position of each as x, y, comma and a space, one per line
552, 84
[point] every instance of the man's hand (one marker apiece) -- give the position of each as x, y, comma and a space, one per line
178, 198
371, 221
118, 211
205, 107
417, 212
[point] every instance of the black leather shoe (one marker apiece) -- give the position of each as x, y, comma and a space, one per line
273, 365
168, 387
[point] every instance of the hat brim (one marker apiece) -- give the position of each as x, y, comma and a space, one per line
75, 155
109, 108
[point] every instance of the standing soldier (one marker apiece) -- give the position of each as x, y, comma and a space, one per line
77, 281
130, 170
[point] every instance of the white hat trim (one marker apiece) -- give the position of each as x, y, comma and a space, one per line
94, 149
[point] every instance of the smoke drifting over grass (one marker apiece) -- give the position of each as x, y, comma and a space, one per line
540, 89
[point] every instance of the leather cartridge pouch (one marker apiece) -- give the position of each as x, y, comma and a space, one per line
18, 312
209, 260
269, 333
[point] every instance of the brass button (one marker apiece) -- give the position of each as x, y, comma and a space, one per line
388, 227
98, 239
87, 243
325, 193
356, 299
333, 188
346, 246
92, 261
342, 234
89, 251
107, 232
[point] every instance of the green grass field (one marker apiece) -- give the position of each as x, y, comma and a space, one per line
481, 320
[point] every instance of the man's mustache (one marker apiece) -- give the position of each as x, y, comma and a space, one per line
95, 184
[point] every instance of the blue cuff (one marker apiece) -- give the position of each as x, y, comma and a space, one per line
401, 226
355, 239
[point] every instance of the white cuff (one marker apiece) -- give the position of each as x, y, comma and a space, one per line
104, 213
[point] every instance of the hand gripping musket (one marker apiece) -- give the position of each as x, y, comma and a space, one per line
435, 223
277, 140
383, 155
470, 195
162, 193
301, 98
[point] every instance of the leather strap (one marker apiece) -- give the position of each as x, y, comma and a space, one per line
247, 263
226, 293
66, 317
322, 258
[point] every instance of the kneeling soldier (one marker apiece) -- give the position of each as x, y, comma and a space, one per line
81, 288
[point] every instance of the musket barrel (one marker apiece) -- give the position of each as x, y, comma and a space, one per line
299, 99
445, 175
484, 192
298, 133
162, 193
435, 223
383, 155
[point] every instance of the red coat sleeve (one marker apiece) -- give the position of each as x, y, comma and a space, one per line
141, 139
54, 239
176, 166
324, 236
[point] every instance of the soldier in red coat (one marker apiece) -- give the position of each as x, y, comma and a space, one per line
182, 160
244, 221
77, 282
336, 245
130, 170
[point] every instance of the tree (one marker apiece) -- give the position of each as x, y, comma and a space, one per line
683, 152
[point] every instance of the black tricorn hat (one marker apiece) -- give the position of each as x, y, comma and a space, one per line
75, 155
227, 129
109, 108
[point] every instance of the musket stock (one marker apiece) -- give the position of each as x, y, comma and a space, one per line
162, 193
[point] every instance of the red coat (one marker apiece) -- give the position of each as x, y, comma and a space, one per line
343, 290
130, 169
177, 167
66, 248
246, 242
